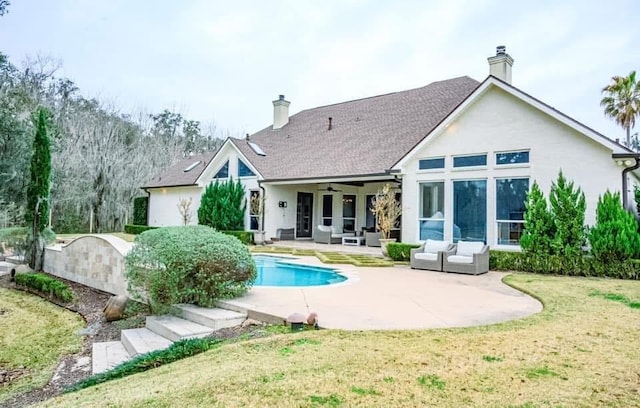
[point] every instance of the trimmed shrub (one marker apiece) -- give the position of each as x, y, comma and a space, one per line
246, 237
189, 264
568, 207
223, 206
538, 221
615, 235
137, 229
561, 265
177, 351
140, 208
46, 285
399, 251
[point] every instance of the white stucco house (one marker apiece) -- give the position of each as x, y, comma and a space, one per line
461, 155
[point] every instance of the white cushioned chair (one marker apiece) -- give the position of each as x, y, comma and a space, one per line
430, 255
470, 257
325, 234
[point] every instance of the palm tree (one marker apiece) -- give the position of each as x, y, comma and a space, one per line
622, 102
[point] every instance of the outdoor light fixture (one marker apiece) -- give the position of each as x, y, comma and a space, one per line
282, 204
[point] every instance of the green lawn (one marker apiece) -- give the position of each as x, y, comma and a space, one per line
582, 350
34, 334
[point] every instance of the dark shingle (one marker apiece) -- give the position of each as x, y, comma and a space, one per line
176, 176
368, 136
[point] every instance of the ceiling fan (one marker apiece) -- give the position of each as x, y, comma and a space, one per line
330, 189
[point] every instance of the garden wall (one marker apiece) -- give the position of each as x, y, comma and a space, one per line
92, 260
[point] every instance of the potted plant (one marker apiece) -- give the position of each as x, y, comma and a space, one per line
386, 209
256, 204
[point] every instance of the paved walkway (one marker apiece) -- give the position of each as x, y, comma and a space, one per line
397, 298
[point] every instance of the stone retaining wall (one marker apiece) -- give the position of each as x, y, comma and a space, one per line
93, 260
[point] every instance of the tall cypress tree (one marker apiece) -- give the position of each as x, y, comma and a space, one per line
539, 228
37, 210
568, 207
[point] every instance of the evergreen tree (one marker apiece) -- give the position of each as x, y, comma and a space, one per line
223, 206
568, 207
539, 228
37, 211
615, 235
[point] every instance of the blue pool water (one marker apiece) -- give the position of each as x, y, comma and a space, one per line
274, 271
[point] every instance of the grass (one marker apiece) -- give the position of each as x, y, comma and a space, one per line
581, 351
327, 257
34, 334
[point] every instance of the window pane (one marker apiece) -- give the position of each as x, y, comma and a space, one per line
253, 221
370, 218
349, 224
470, 210
509, 233
468, 161
432, 200
426, 164
349, 206
327, 205
244, 170
432, 229
512, 158
223, 172
511, 195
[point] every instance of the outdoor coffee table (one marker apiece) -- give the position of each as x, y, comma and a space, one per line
356, 241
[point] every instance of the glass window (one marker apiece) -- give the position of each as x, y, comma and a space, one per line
469, 161
349, 212
470, 210
427, 164
327, 209
370, 219
244, 170
431, 211
223, 172
512, 157
511, 195
254, 218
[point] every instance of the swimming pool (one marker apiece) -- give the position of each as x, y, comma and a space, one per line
275, 271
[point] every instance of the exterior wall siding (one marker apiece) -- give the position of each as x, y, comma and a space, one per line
163, 205
499, 122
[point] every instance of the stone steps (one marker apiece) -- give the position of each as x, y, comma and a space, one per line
160, 332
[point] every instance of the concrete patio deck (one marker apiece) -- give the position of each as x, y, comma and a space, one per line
395, 298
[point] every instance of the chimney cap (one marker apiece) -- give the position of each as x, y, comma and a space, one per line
501, 50
281, 97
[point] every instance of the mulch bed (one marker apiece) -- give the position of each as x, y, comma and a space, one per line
89, 303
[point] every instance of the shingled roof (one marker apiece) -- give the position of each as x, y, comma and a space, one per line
176, 175
367, 136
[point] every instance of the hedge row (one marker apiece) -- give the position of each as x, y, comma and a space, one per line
178, 350
45, 284
563, 265
140, 208
400, 252
136, 229
246, 237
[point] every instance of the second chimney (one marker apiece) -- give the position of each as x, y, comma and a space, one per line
500, 65
280, 112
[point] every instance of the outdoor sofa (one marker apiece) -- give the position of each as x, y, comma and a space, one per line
468, 257
325, 234
430, 255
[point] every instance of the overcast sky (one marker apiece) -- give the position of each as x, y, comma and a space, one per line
213, 60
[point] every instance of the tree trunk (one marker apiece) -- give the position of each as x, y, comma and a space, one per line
629, 137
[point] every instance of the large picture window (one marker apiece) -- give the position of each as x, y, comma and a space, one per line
370, 218
327, 209
431, 211
470, 210
511, 195
349, 212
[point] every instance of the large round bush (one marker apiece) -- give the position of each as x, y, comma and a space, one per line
191, 264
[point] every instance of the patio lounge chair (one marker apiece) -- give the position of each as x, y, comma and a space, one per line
325, 234
430, 254
470, 257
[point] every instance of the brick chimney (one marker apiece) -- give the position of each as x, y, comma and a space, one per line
280, 112
500, 65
